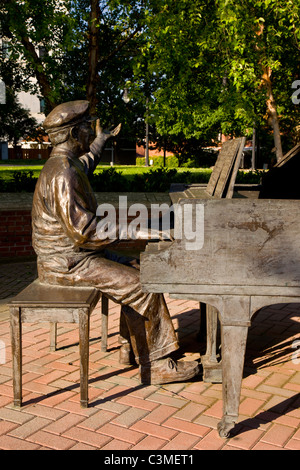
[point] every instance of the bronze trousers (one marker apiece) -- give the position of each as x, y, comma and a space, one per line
145, 318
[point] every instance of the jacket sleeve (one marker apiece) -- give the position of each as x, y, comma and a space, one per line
91, 159
89, 162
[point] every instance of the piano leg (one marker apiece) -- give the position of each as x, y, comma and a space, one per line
212, 368
233, 354
202, 329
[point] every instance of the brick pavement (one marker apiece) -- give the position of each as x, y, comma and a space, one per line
123, 415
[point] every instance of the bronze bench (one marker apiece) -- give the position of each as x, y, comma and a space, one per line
55, 304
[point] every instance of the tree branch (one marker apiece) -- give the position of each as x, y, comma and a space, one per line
39, 71
102, 62
93, 32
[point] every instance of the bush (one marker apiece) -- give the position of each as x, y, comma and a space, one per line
160, 179
2, 185
171, 161
155, 180
109, 180
19, 181
24, 181
203, 159
249, 177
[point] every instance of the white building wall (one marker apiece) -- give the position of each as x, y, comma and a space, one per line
32, 103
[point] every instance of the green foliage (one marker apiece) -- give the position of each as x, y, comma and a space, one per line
33, 26
112, 180
202, 159
3, 186
199, 64
171, 161
20, 181
15, 121
109, 180
192, 159
250, 177
206, 61
160, 179
155, 180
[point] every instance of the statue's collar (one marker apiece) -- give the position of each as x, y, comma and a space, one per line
62, 153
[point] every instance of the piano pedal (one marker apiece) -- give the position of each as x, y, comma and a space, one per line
212, 370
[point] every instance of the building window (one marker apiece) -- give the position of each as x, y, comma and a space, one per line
42, 51
42, 105
5, 49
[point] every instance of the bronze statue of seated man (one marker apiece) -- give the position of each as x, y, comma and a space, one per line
69, 252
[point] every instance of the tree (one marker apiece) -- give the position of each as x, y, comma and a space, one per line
39, 33
186, 71
262, 40
78, 49
47, 35
224, 66
203, 67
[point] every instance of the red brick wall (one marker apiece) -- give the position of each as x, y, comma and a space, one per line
141, 152
15, 234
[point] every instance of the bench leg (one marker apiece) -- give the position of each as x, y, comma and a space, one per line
16, 343
53, 336
104, 322
84, 333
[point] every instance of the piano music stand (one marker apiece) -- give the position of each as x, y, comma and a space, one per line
222, 179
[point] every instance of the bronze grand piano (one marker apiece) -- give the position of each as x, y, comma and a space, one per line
247, 256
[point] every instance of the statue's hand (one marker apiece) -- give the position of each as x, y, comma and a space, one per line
107, 133
102, 136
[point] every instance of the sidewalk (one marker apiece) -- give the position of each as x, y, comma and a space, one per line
124, 415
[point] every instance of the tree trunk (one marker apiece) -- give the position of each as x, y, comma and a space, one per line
272, 111
41, 76
93, 31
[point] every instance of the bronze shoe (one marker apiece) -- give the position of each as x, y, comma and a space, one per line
167, 371
126, 355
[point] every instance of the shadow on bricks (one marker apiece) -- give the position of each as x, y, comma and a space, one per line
268, 416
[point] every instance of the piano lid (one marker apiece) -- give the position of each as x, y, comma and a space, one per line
282, 180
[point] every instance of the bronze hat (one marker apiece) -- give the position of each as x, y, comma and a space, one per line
67, 114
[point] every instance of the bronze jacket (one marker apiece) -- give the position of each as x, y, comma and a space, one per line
64, 220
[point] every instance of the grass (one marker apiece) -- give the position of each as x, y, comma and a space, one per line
21, 176
6, 170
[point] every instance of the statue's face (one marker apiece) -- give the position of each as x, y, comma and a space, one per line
85, 136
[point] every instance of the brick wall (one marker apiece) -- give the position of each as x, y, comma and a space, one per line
16, 236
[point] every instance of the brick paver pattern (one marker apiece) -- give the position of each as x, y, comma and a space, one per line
123, 414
